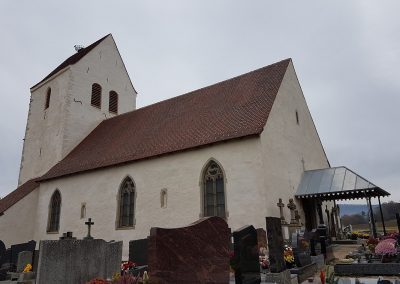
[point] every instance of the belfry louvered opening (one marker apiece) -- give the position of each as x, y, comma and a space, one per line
113, 102
96, 95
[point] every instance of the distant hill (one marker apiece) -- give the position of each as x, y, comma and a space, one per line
351, 209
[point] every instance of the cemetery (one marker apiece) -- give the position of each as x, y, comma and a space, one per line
207, 251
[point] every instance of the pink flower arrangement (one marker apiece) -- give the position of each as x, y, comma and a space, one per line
386, 247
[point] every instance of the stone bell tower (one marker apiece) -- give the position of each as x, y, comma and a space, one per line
88, 87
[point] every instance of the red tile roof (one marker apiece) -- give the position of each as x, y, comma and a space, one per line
72, 59
231, 109
13, 197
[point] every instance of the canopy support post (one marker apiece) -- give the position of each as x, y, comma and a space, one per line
371, 212
382, 218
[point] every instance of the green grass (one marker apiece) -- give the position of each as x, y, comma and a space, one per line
391, 227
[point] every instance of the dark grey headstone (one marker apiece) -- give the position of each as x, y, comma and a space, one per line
5, 264
16, 249
247, 266
2, 248
302, 258
24, 257
275, 244
35, 260
138, 251
77, 261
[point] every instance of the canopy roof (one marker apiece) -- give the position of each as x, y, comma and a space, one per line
335, 184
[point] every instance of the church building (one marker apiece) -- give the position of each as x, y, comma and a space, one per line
232, 149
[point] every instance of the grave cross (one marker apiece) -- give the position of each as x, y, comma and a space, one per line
89, 223
281, 205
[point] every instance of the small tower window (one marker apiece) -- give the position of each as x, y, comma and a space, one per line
83, 210
47, 104
297, 117
113, 102
96, 95
163, 198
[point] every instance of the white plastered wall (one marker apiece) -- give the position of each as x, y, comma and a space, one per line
179, 173
52, 133
285, 144
44, 130
17, 223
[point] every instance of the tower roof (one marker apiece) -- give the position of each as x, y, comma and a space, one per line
72, 59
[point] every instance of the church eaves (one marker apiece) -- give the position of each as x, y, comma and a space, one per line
16, 195
232, 109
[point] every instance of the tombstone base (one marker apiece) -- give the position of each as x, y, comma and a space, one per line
304, 272
249, 278
319, 260
279, 278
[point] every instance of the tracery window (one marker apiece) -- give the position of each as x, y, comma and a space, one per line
54, 213
213, 190
126, 203
113, 102
96, 95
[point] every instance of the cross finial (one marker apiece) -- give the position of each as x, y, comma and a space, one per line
89, 223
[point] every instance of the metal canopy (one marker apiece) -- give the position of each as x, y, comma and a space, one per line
335, 184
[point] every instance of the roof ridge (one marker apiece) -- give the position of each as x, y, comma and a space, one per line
197, 90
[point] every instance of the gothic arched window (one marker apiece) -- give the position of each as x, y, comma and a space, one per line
47, 103
213, 191
54, 212
96, 95
126, 206
163, 198
113, 102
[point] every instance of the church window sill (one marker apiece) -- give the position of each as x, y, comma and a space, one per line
125, 228
52, 233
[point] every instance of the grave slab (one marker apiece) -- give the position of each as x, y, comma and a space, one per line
24, 257
275, 244
198, 253
138, 250
77, 261
247, 268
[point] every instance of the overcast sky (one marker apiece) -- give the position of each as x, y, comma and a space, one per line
346, 55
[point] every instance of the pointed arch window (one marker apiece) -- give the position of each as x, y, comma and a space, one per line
126, 206
113, 102
54, 213
214, 191
48, 94
96, 96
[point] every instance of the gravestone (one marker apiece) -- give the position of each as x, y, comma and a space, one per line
138, 250
2, 248
8, 261
261, 238
77, 261
275, 245
24, 258
398, 221
16, 249
198, 253
247, 268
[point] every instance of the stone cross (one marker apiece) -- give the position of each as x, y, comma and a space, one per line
292, 207
89, 223
281, 205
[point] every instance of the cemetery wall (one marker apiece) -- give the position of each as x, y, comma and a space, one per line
285, 144
17, 223
179, 173
53, 132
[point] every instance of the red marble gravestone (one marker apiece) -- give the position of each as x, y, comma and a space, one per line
198, 253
